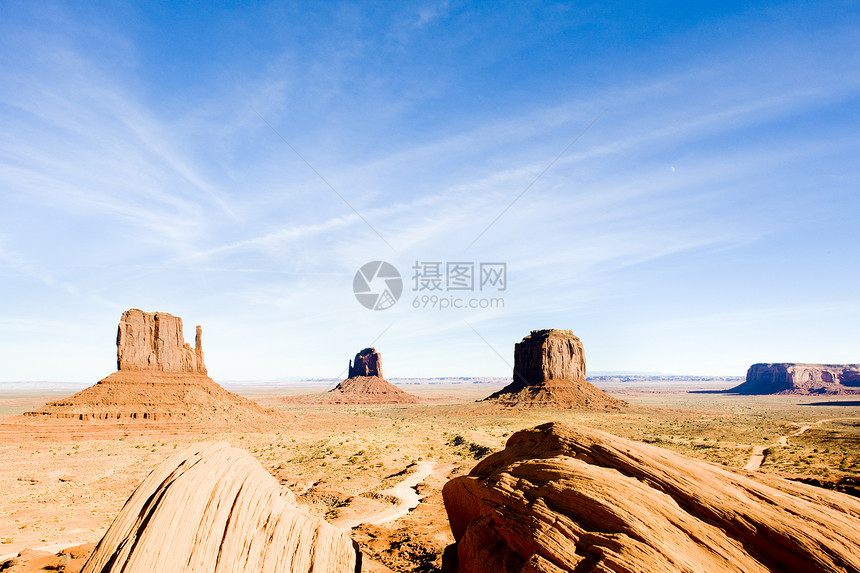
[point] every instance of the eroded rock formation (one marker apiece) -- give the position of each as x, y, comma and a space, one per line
791, 378
365, 384
154, 341
549, 370
369, 390
368, 362
212, 509
563, 498
160, 377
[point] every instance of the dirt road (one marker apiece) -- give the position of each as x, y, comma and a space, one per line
404, 491
757, 456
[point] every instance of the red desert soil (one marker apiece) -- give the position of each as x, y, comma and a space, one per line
64, 481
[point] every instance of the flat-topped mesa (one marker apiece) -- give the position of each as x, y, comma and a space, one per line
368, 362
547, 354
795, 378
153, 341
549, 370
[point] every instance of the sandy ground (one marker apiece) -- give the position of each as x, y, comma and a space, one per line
365, 468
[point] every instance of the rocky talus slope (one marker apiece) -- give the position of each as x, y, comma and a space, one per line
155, 396
214, 509
369, 390
563, 498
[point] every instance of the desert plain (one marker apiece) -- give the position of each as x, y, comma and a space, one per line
64, 481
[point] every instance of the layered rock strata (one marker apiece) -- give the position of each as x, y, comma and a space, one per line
153, 341
160, 377
791, 378
549, 371
563, 498
157, 396
214, 509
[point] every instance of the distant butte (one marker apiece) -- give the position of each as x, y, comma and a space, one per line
159, 377
364, 385
800, 379
549, 371
368, 362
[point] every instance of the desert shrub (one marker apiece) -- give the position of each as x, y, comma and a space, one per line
478, 451
457, 440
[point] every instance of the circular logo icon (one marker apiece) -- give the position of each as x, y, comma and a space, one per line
377, 285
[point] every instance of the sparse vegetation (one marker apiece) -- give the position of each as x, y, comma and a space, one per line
476, 451
340, 455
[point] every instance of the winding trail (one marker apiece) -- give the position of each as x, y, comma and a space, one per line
757, 456
404, 491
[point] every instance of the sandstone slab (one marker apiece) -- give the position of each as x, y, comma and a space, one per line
214, 509
563, 498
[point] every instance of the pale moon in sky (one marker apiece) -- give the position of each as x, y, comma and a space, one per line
672, 167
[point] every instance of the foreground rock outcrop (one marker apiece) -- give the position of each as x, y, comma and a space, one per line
549, 370
563, 498
213, 509
159, 377
803, 379
67, 560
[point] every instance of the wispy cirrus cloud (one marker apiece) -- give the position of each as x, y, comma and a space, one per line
128, 182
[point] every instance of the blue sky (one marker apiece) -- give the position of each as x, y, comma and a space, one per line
703, 216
